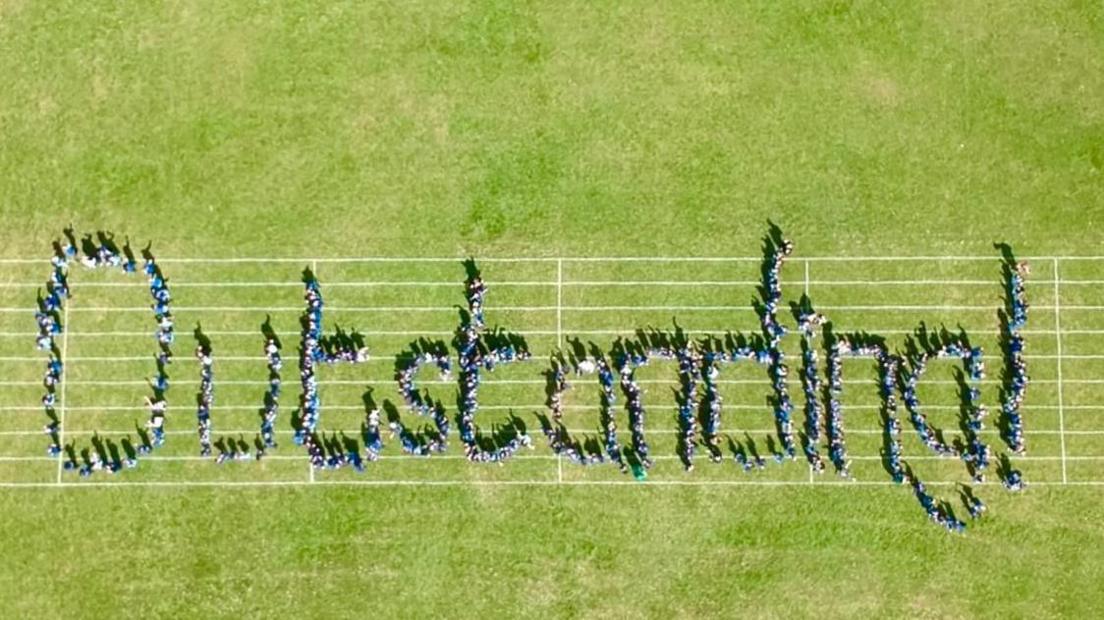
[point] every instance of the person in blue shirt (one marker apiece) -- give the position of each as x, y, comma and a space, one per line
976, 507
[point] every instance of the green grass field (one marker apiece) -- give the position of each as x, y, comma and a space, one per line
538, 138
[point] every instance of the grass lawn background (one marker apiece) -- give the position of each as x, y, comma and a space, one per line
573, 129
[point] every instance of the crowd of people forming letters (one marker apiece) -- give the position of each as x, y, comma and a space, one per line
699, 402
101, 252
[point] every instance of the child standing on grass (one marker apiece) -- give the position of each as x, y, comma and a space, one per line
156, 422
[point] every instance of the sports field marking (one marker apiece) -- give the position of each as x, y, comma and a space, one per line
391, 360
580, 332
577, 259
1058, 345
593, 407
89, 484
560, 284
61, 397
559, 343
399, 309
538, 283
521, 457
603, 332
258, 382
582, 431
805, 264
297, 285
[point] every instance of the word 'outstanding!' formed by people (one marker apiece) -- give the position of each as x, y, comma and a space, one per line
699, 365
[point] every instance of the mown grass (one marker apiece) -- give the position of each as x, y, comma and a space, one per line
458, 552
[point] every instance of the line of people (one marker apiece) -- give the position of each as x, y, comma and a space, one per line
713, 403
103, 456
230, 449
342, 451
627, 360
689, 367
807, 324
919, 364
608, 418
747, 462
271, 409
314, 349
634, 405
558, 385
559, 440
50, 380
977, 454
165, 336
412, 444
105, 254
694, 368
205, 398
712, 360
309, 354
773, 331
938, 514
342, 347
373, 442
49, 325
418, 403
888, 366
48, 319
833, 423
162, 299
1012, 396
472, 357
974, 505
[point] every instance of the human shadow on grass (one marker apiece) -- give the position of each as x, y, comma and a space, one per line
583, 451
1010, 346
269, 332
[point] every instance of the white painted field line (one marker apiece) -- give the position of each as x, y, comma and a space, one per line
224, 358
390, 359
559, 343
535, 283
518, 457
578, 431
843, 259
849, 408
580, 259
871, 307
812, 477
1058, 345
559, 303
396, 309
902, 331
105, 383
173, 284
633, 308
64, 383
257, 334
707, 283
595, 332
853, 484
310, 466
829, 259
359, 259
